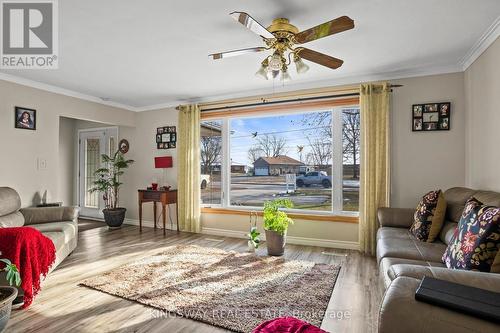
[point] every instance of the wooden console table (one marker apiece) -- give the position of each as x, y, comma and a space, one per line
165, 198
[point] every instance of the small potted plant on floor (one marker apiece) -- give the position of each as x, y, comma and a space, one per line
108, 183
253, 235
276, 223
8, 294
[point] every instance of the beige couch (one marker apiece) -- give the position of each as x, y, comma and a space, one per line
404, 261
57, 223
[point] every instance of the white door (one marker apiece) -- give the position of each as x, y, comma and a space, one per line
92, 144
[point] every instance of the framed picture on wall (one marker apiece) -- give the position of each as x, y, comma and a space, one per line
431, 117
25, 118
166, 137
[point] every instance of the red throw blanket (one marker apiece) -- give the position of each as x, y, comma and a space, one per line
33, 254
287, 325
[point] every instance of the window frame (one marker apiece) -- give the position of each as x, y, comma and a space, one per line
336, 168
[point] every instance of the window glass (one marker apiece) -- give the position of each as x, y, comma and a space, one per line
270, 157
312, 158
351, 152
211, 162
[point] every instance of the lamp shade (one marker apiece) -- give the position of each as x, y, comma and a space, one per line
163, 162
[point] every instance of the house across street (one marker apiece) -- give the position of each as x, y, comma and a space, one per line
275, 166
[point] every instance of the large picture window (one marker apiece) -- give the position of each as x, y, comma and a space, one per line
311, 157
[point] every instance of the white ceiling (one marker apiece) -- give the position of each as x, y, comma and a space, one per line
155, 52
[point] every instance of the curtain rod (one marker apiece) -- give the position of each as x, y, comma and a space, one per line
304, 99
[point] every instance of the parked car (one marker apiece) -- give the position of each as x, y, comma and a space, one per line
314, 178
205, 180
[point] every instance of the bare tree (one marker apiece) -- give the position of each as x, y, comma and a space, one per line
211, 147
271, 145
254, 153
320, 121
321, 152
351, 133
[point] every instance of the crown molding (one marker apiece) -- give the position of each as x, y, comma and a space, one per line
62, 91
489, 36
166, 105
352, 79
347, 80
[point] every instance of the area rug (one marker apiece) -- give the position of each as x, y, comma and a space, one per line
236, 291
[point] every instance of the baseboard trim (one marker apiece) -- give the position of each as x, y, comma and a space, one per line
337, 244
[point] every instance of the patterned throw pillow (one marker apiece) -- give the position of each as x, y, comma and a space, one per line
429, 216
475, 245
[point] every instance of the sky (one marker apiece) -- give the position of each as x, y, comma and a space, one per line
291, 127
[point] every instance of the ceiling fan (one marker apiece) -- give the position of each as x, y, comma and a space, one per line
281, 37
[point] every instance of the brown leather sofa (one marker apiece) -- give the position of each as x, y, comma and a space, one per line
57, 223
404, 261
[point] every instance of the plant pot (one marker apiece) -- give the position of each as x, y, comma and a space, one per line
114, 217
7, 295
275, 243
251, 248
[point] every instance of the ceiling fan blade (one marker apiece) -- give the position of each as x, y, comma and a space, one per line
340, 24
320, 58
235, 53
251, 24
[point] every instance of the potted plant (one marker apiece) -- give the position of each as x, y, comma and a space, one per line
253, 235
8, 294
276, 223
108, 183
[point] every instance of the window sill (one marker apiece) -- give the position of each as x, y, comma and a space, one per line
310, 217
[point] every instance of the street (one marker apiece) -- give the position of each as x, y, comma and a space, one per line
253, 191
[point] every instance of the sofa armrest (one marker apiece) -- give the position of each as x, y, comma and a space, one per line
34, 215
400, 312
395, 217
483, 280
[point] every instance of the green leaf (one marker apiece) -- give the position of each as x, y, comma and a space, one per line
274, 218
6, 261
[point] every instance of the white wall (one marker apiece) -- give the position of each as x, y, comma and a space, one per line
20, 149
425, 161
66, 160
482, 88
143, 150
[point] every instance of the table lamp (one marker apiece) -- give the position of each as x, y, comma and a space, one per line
164, 162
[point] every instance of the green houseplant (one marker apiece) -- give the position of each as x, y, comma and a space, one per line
276, 223
8, 294
108, 183
254, 234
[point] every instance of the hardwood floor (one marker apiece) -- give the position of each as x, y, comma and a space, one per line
63, 306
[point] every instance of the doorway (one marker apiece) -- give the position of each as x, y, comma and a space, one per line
92, 143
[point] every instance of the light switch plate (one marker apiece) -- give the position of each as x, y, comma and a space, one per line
42, 164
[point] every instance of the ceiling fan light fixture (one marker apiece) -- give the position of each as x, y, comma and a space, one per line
300, 65
262, 72
281, 37
285, 76
274, 74
275, 62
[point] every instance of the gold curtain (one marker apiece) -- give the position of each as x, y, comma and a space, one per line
375, 161
188, 176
